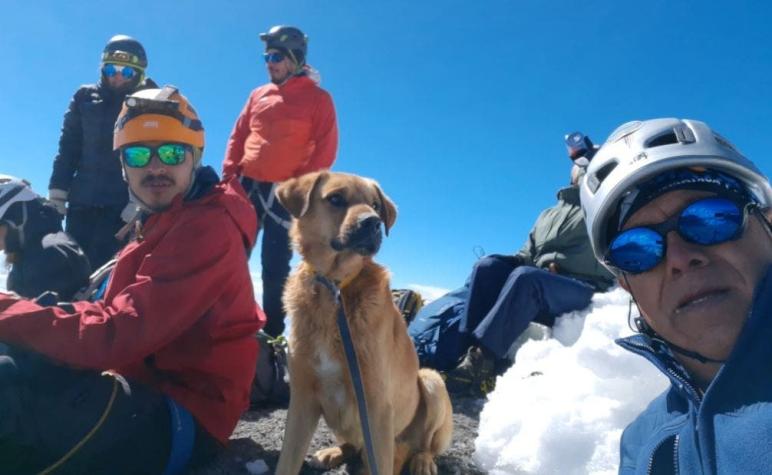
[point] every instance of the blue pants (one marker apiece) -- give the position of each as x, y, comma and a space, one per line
94, 229
505, 298
46, 409
275, 254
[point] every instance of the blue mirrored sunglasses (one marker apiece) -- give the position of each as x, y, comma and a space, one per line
707, 222
274, 57
111, 70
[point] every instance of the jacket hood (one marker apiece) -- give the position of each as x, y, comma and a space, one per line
207, 188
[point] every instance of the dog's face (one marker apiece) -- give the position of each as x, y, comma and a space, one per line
337, 213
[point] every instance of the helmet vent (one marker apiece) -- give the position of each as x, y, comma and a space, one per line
724, 142
597, 178
667, 138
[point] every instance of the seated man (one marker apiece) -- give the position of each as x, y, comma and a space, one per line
555, 272
683, 220
154, 376
43, 258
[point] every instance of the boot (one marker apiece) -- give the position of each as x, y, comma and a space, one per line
474, 376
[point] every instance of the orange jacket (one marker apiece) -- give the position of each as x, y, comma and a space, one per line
283, 132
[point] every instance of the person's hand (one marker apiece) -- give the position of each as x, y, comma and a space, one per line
129, 212
59, 199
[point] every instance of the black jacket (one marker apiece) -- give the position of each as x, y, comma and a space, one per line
86, 165
47, 259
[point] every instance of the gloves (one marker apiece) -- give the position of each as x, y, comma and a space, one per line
129, 212
59, 199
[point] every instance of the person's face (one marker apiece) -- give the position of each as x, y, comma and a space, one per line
118, 81
157, 184
698, 297
281, 71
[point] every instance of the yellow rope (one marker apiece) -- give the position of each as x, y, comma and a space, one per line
89, 435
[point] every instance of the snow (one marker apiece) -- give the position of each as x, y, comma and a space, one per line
3, 276
428, 293
562, 407
257, 467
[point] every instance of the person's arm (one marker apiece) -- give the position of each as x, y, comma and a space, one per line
234, 150
67, 159
176, 285
325, 136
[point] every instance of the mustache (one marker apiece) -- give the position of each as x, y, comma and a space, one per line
151, 180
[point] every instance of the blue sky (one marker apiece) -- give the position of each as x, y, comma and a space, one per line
457, 108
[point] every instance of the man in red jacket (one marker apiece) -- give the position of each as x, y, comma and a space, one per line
155, 376
286, 129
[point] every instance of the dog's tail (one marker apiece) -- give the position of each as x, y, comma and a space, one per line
439, 411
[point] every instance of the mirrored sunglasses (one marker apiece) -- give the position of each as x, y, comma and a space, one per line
274, 57
110, 70
139, 156
706, 222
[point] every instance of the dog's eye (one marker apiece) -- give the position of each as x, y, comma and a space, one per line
337, 200
376, 206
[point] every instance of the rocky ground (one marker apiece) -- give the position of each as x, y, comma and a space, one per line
259, 433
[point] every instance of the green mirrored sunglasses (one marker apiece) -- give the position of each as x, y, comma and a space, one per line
138, 156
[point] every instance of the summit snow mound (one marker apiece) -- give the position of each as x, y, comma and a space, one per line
562, 407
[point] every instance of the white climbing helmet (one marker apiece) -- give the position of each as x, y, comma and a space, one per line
639, 150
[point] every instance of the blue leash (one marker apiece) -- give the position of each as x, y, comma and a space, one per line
353, 368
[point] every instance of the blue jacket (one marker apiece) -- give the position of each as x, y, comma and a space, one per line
726, 430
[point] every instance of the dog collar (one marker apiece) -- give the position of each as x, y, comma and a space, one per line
333, 285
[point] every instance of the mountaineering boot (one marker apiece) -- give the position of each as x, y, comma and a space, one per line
474, 376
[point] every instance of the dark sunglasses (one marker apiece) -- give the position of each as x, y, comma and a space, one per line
274, 57
110, 70
706, 222
138, 156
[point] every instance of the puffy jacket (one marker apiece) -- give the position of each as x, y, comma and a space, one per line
48, 259
282, 132
179, 313
86, 165
728, 429
560, 236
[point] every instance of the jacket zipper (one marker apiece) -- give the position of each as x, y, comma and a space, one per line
675, 454
673, 439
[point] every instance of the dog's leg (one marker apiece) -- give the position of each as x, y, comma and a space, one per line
382, 429
302, 419
332, 457
439, 423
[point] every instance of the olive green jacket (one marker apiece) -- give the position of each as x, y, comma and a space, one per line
559, 236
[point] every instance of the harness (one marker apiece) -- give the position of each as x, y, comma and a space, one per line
353, 367
268, 204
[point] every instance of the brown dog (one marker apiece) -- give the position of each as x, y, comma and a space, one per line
337, 230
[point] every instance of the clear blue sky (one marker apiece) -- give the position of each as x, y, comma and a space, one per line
457, 108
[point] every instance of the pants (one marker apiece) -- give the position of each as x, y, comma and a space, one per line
504, 299
94, 228
47, 409
275, 254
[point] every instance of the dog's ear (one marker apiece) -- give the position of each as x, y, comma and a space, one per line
387, 210
295, 193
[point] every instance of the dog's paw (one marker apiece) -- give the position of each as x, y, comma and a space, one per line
328, 458
422, 463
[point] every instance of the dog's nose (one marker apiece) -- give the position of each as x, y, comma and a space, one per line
370, 224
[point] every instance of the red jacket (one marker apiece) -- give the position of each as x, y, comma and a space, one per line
179, 312
283, 132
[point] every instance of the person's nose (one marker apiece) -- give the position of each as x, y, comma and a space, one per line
155, 165
682, 255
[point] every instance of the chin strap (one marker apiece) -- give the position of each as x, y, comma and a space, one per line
641, 326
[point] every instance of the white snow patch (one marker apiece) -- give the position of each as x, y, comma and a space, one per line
3, 276
562, 407
257, 467
428, 293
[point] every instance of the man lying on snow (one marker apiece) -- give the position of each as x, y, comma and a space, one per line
682, 219
553, 273
157, 374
